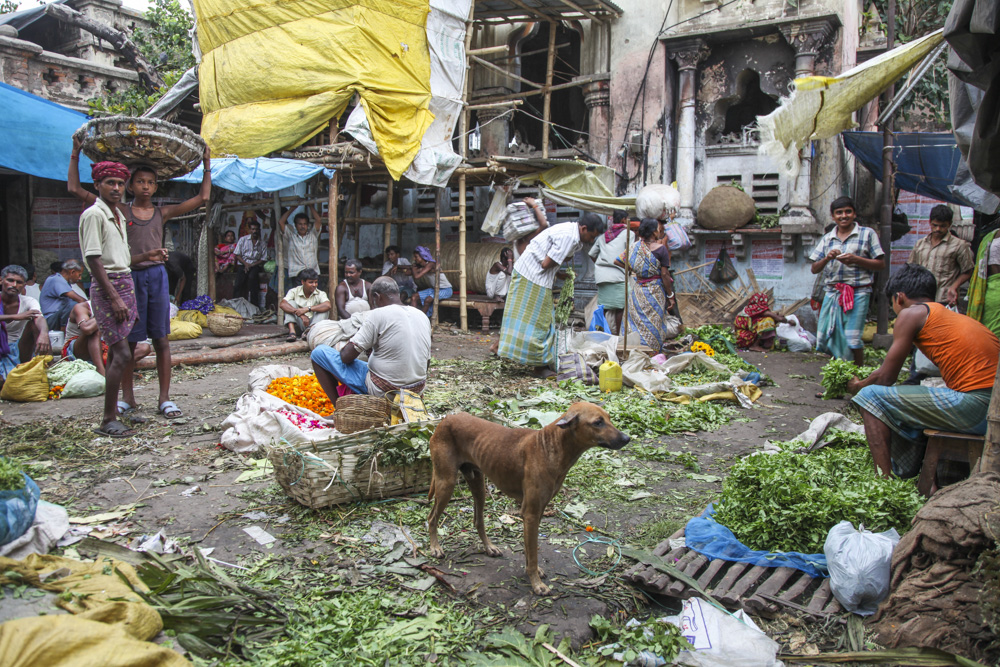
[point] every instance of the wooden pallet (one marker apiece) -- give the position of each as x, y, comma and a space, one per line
762, 591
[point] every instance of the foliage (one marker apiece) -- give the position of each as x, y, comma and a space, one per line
789, 501
659, 637
707, 332
914, 19
565, 306
988, 571
11, 477
166, 43
837, 373
400, 449
518, 650
9, 6
734, 362
874, 357
767, 221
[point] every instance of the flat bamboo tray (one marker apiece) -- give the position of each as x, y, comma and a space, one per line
329, 472
170, 149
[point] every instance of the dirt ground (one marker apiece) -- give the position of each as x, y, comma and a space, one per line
173, 477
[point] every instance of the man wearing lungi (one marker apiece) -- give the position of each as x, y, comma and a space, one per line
848, 255
527, 334
104, 242
965, 351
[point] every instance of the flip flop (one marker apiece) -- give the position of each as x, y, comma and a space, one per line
291, 338
114, 429
170, 410
131, 412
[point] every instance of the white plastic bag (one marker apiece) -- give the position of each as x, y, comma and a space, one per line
84, 384
657, 200
859, 563
796, 338
925, 366
721, 639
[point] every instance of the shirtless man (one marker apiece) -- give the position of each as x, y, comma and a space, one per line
354, 294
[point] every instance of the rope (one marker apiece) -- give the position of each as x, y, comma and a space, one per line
598, 540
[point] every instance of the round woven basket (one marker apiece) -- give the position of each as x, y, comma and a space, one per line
358, 412
170, 149
224, 324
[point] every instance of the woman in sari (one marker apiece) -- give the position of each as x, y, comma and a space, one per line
652, 291
984, 288
755, 325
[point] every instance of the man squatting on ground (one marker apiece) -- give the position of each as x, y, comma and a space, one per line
23, 332
58, 297
144, 236
399, 340
965, 351
305, 305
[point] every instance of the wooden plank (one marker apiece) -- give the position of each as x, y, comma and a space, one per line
798, 588
820, 597
689, 565
735, 570
734, 596
706, 578
833, 607
663, 547
772, 585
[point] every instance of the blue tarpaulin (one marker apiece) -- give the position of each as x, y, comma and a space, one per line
256, 175
926, 162
38, 135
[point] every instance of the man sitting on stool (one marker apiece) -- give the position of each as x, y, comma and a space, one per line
964, 350
305, 305
399, 340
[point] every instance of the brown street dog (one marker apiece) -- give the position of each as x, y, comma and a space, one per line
526, 464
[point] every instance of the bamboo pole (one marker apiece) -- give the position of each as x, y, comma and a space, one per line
331, 227
357, 225
380, 221
211, 261
387, 227
463, 142
624, 328
437, 256
262, 203
279, 247
547, 104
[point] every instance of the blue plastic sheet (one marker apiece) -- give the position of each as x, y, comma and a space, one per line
17, 510
712, 539
256, 175
38, 135
599, 322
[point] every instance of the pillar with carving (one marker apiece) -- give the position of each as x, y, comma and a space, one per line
806, 38
687, 54
597, 97
494, 123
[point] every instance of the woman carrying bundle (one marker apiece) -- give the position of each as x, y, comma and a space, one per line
652, 292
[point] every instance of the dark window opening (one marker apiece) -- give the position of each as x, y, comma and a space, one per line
753, 102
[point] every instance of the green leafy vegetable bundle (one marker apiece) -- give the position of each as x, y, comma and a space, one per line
11, 478
837, 373
789, 501
564, 308
707, 332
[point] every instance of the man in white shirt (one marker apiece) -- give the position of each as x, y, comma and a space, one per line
305, 305
301, 243
250, 253
527, 334
398, 338
22, 325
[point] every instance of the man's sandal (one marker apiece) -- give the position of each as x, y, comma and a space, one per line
291, 338
114, 429
170, 410
131, 412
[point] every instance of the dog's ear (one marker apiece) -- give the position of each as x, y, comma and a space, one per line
568, 420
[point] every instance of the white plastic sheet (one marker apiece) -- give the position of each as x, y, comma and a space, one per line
721, 639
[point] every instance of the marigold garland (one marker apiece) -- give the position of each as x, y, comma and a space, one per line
303, 391
55, 391
699, 346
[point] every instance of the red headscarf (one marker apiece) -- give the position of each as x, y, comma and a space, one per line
101, 170
758, 304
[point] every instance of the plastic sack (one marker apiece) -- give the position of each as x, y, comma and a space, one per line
184, 330
676, 236
497, 212
796, 338
61, 371
84, 385
859, 563
658, 201
723, 271
17, 510
195, 316
225, 310
721, 639
261, 377
520, 221
174, 310
28, 382
599, 322
925, 366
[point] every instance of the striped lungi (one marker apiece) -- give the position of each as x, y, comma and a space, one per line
111, 329
838, 332
908, 410
528, 333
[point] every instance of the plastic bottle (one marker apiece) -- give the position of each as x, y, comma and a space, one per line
610, 376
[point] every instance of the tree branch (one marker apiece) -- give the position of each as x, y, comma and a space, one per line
148, 76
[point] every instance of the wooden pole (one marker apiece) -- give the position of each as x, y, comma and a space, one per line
331, 227
463, 144
437, 256
547, 104
387, 227
211, 261
990, 461
628, 290
279, 247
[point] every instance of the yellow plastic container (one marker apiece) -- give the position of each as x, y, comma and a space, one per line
610, 376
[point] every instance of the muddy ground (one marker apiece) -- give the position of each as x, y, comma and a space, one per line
152, 478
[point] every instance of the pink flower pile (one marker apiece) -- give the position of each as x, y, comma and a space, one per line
302, 422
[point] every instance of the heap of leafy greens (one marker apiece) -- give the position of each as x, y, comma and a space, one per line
837, 373
659, 637
564, 308
789, 501
11, 478
707, 332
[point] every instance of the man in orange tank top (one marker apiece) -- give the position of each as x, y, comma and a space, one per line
964, 350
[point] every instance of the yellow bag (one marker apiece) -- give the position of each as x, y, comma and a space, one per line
195, 316
182, 330
226, 310
28, 382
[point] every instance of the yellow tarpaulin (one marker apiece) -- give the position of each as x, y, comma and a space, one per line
273, 74
821, 107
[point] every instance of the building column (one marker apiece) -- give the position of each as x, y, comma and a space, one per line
687, 55
806, 38
597, 97
494, 130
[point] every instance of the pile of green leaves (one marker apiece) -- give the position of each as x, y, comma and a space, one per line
11, 477
400, 449
565, 306
734, 362
837, 373
662, 639
707, 332
789, 501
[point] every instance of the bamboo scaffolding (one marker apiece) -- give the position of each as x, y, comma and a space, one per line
279, 247
463, 151
331, 226
387, 226
437, 255
547, 102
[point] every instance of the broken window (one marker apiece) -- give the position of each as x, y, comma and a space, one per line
737, 114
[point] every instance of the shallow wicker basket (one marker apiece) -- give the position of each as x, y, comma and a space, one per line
224, 324
170, 149
358, 412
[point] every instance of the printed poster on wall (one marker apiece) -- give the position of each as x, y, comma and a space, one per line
767, 259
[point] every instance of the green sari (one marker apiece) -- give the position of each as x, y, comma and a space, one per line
984, 290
